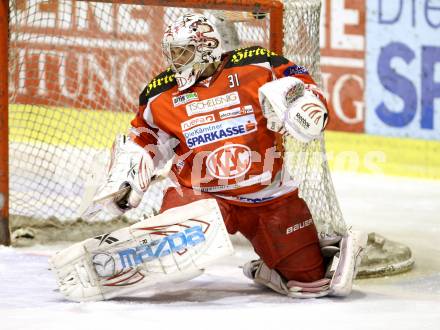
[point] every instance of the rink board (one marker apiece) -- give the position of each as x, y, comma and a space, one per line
362, 153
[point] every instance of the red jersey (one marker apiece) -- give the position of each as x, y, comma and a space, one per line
216, 128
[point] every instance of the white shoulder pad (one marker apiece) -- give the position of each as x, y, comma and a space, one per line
173, 246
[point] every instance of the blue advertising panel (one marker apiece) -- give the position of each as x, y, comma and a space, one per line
403, 68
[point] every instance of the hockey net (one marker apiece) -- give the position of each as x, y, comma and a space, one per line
75, 71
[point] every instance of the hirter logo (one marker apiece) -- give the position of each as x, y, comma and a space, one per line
229, 162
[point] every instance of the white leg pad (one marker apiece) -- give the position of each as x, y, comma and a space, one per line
346, 262
171, 247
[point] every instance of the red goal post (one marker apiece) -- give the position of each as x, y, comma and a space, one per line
4, 153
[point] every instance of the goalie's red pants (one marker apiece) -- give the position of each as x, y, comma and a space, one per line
280, 231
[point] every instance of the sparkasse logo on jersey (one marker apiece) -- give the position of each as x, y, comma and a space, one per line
214, 103
185, 98
197, 121
229, 128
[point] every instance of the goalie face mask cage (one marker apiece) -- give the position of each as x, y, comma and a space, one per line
191, 35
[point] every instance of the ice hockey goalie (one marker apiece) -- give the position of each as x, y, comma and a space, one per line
222, 117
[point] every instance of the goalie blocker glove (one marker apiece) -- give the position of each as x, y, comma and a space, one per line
130, 167
343, 256
289, 106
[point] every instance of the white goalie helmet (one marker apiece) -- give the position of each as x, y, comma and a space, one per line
198, 44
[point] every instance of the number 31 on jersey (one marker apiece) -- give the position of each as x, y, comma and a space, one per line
233, 80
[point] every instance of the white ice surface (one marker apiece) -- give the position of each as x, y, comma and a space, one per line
401, 209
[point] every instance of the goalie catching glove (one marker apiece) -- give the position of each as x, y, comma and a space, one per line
343, 257
289, 106
129, 174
